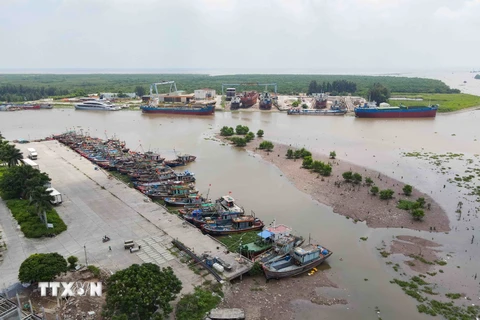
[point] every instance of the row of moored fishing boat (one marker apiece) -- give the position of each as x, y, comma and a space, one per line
280, 253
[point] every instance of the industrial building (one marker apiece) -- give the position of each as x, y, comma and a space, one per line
10, 311
205, 94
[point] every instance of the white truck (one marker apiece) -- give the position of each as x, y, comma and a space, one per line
30, 163
56, 195
32, 154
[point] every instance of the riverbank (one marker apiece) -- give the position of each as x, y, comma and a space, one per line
354, 201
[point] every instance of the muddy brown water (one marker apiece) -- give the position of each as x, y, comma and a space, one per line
261, 187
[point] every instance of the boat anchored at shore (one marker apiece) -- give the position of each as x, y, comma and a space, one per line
316, 112
97, 105
300, 260
239, 224
370, 110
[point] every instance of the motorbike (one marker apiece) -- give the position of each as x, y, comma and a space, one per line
105, 239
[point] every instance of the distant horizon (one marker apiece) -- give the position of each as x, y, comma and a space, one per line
228, 71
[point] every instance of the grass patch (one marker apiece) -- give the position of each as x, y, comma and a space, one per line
232, 242
94, 270
122, 177
421, 259
384, 253
432, 274
453, 295
364, 238
440, 262
419, 281
447, 102
429, 290
29, 221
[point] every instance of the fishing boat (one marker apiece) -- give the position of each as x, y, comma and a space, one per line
371, 110
300, 260
265, 101
188, 109
321, 100
271, 241
182, 202
181, 160
227, 203
239, 224
316, 112
248, 99
210, 215
235, 103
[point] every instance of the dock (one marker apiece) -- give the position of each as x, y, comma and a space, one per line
98, 204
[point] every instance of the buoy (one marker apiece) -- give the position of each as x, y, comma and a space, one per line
315, 269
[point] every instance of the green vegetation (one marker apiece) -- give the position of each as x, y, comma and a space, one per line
289, 154
378, 93
418, 214
307, 162
368, 181
61, 85
249, 137
94, 270
233, 242
241, 130
72, 262
384, 254
357, 178
301, 153
30, 223
386, 194
256, 269
364, 238
348, 176
260, 133
324, 169
446, 102
42, 267
194, 306
227, 131
266, 145
337, 87
239, 142
333, 154
407, 190
295, 104
453, 296
420, 258
304, 106
440, 262
374, 190
141, 292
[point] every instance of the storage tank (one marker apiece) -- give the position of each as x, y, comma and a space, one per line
218, 267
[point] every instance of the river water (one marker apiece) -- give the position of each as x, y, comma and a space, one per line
260, 187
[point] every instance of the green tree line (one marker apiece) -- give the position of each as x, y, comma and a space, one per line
336, 87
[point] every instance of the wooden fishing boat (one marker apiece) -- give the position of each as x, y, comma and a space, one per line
298, 261
239, 224
182, 202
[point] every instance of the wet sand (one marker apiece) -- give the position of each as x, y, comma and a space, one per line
421, 251
354, 201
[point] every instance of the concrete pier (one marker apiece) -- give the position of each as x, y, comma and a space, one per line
94, 205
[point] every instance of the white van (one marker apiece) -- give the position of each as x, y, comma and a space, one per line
56, 195
29, 162
32, 153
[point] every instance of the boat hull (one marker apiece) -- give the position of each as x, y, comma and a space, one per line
228, 231
199, 111
317, 113
401, 113
265, 105
269, 274
77, 107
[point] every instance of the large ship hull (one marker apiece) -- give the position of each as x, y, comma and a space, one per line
249, 99
310, 112
271, 274
396, 113
265, 105
94, 108
200, 111
227, 230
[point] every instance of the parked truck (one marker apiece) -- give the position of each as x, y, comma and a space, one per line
56, 195
32, 153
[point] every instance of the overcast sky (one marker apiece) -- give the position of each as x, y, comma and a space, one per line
330, 35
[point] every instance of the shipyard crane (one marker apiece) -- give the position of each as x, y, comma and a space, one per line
250, 84
154, 85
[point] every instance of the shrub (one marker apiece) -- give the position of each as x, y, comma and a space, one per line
266, 145
260, 133
72, 260
357, 178
374, 190
42, 267
239, 142
256, 269
333, 154
242, 129
249, 137
94, 270
195, 305
386, 194
305, 153
226, 131
304, 106
407, 205
307, 162
322, 168
418, 214
289, 154
407, 190
421, 202
368, 181
348, 176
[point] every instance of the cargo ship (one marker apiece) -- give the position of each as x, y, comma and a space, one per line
248, 99
193, 109
316, 112
235, 103
265, 101
321, 100
370, 110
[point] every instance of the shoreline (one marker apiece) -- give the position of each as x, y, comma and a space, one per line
349, 200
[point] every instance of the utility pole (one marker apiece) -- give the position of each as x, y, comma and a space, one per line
85, 249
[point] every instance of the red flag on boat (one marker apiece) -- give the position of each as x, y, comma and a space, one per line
209, 185
229, 192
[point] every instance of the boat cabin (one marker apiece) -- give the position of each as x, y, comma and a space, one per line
228, 203
308, 253
243, 222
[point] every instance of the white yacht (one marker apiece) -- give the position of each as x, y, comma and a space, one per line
97, 105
